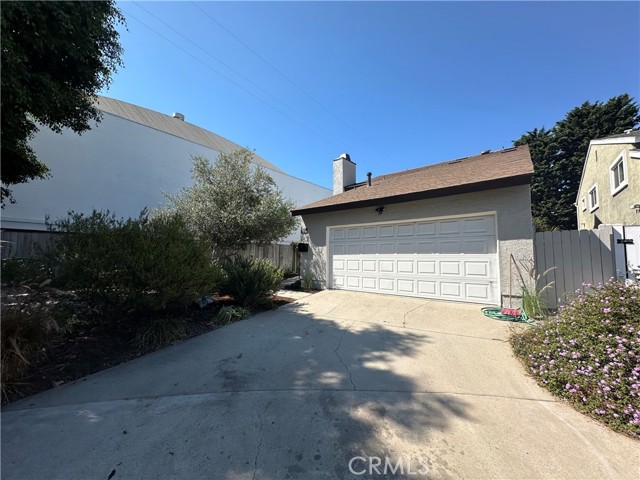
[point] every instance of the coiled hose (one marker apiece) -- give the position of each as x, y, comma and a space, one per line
496, 314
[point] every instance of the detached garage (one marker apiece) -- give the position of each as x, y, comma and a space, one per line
444, 231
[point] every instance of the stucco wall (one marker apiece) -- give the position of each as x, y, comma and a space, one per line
512, 206
613, 209
121, 166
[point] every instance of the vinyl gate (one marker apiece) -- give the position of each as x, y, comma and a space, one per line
584, 256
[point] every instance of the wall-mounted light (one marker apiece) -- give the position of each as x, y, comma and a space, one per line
380, 210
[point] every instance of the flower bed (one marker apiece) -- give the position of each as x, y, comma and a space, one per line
589, 354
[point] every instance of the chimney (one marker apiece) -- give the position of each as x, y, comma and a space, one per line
344, 173
179, 116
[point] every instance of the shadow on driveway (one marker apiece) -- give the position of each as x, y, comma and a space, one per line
291, 393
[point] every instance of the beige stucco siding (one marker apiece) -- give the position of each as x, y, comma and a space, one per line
612, 209
512, 206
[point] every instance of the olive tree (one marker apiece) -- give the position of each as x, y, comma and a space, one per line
233, 203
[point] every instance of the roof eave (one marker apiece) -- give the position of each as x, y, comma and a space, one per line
616, 140
524, 179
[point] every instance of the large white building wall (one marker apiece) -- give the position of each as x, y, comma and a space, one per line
122, 166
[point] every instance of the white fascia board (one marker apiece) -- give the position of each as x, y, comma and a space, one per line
617, 140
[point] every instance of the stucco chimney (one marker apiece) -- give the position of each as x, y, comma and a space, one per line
344, 173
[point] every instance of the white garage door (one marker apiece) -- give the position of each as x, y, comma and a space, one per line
450, 258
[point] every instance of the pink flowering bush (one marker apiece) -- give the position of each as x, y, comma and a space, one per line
589, 354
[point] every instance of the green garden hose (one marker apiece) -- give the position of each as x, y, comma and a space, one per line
496, 314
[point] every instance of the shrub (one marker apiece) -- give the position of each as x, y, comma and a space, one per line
589, 354
133, 264
230, 313
160, 333
307, 282
16, 271
22, 335
251, 282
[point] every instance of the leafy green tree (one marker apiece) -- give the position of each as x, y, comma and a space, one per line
55, 57
558, 156
233, 203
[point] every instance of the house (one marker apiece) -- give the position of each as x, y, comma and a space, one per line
609, 191
124, 164
444, 231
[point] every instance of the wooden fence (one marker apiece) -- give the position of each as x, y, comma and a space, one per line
24, 244
285, 256
579, 256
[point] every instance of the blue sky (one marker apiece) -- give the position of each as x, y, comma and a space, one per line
396, 85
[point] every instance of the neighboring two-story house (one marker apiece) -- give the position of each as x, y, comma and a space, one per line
609, 191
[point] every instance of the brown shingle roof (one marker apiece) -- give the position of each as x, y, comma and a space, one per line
498, 169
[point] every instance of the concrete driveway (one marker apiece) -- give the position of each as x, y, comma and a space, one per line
333, 381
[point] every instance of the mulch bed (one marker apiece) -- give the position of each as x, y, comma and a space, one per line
94, 348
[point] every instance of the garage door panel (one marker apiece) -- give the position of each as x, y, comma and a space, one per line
369, 283
338, 234
353, 265
406, 287
387, 284
450, 268
386, 266
368, 265
353, 233
426, 228
369, 232
448, 246
369, 248
475, 246
449, 227
427, 267
474, 291
353, 281
353, 249
426, 246
386, 231
386, 248
406, 266
477, 269
480, 225
428, 287
405, 230
451, 289
405, 247
453, 259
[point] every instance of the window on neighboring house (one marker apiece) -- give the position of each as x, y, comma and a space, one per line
593, 198
583, 203
618, 174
